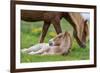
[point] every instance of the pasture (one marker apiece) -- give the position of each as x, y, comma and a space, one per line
30, 34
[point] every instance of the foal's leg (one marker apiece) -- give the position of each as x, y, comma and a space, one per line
56, 24
37, 52
41, 51
44, 31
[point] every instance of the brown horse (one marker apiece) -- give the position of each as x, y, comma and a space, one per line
49, 17
80, 27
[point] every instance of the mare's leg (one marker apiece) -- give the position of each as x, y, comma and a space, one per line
56, 24
44, 31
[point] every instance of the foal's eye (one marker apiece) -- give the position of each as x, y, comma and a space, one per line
59, 36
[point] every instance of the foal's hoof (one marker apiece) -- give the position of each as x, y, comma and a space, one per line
24, 50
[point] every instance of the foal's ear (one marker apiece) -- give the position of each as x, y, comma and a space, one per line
65, 33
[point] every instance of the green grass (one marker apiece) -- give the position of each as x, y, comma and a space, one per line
76, 53
30, 34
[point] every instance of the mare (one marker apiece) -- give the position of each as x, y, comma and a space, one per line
50, 17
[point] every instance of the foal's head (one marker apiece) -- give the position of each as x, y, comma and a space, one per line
60, 39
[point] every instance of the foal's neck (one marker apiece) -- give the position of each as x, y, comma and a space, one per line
66, 43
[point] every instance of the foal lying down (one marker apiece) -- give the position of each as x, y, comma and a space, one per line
60, 45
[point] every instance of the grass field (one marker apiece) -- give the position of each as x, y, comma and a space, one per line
30, 34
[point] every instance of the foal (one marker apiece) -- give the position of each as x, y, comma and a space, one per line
59, 45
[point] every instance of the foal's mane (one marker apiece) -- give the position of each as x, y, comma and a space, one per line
66, 41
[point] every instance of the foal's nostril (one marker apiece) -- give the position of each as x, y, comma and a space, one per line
50, 43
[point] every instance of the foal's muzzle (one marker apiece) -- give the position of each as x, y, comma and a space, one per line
51, 43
